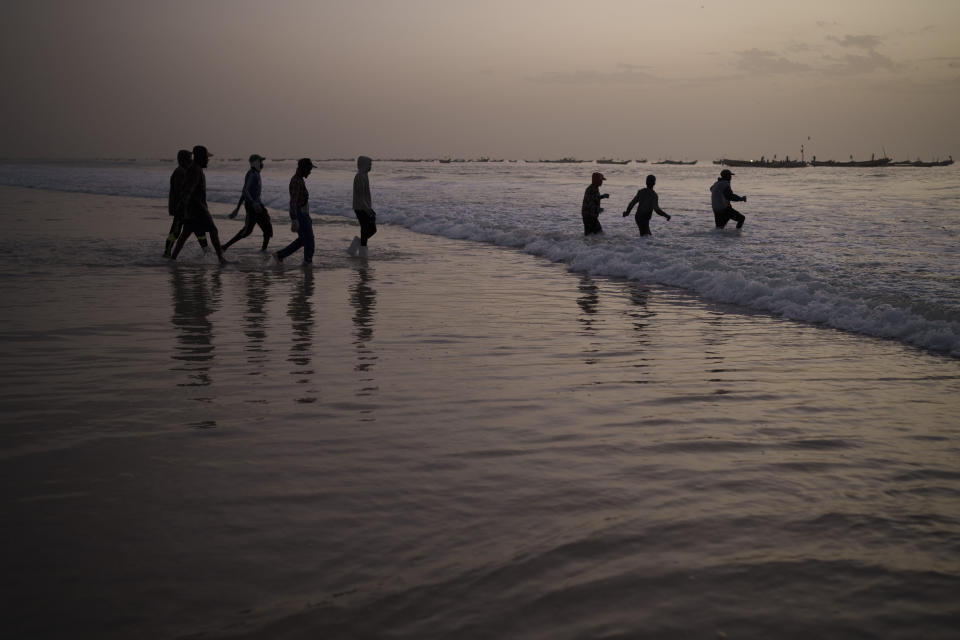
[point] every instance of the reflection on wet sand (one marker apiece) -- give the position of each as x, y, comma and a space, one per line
300, 312
363, 299
255, 320
196, 295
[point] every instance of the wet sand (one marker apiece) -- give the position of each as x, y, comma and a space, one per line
447, 439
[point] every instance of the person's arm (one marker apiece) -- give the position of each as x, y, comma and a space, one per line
731, 196
636, 200
172, 198
656, 207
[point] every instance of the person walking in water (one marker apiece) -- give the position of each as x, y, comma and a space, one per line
197, 218
256, 213
721, 195
590, 210
647, 202
174, 203
300, 214
363, 207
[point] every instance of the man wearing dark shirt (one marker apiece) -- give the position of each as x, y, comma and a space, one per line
197, 216
647, 202
174, 205
590, 209
250, 199
300, 214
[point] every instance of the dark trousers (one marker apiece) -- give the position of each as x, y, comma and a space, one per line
591, 225
304, 239
368, 225
643, 223
256, 216
725, 216
175, 229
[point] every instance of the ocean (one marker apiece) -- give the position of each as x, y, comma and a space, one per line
873, 251
492, 427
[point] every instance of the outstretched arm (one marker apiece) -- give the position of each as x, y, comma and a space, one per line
636, 200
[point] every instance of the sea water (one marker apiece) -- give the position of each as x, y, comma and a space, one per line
869, 250
458, 439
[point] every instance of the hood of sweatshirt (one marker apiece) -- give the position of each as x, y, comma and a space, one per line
364, 164
183, 158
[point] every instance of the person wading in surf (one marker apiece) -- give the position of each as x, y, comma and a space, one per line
363, 207
300, 222
175, 205
721, 195
197, 218
590, 210
256, 213
647, 202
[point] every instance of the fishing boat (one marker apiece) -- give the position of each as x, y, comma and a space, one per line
763, 163
920, 163
872, 162
675, 162
610, 161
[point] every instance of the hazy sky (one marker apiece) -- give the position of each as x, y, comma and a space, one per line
513, 78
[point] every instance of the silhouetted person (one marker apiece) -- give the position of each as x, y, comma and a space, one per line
300, 214
720, 197
363, 207
647, 202
250, 199
591, 205
175, 204
197, 218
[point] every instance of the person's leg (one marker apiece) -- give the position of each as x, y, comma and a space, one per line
644, 225
720, 219
306, 238
368, 227
215, 239
733, 214
202, 239
248, 221
263, 221
185, 231
175, 229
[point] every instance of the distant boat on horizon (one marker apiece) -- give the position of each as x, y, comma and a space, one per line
691, 162
763, 163
872, 162
611, 161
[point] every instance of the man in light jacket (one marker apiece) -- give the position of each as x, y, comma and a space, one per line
363, 207
721, 195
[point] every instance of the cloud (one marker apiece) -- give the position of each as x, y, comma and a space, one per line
853, 64
756, 61
866, 42
624, 74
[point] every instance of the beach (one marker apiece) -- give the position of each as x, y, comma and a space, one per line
448, 439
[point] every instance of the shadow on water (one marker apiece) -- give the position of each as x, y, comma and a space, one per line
196, 295
300, 312
363, 299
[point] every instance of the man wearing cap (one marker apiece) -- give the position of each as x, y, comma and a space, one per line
175, 205
250, 199
590, 210
300, 214
197, 218
721, 195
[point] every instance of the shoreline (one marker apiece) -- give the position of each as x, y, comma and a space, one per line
448, 439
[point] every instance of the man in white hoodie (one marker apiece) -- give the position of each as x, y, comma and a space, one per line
363, 207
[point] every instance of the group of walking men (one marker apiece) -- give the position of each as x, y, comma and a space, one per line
647, 202
187, 204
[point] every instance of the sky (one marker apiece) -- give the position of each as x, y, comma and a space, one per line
516, 79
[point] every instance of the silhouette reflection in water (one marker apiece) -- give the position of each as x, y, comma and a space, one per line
588, 302
363, 299
300, 312
255, 320
196, 295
